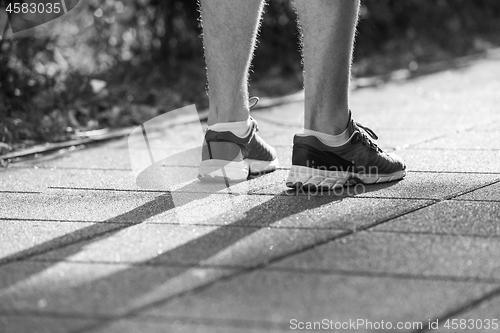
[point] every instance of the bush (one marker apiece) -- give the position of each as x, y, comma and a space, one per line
149, 54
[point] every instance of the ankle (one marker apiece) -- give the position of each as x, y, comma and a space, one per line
238, 128
330, 126
217, 117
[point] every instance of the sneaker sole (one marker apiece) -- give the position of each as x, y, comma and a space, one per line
300, 176
222, 170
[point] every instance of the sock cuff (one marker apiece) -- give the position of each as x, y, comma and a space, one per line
238, 128
329, 140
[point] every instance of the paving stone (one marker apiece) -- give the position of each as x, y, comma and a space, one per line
330, 212
396, 139
450, 115
399, 254
155, 178
134, 208
493, 126
451, 160
450, 217
117, 156
446, 99
19, 236
429, 185
416, 185
279, 297
162, 137
185, 325
467, 141
84, 206
91, 158
399, 111
244, 239
489, 193
478, 318
41, 179
189, 246
94, 290
24, 324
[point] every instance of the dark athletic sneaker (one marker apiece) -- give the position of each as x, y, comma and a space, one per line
227, 157
359, 160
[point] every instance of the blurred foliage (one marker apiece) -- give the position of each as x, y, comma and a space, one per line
113, 63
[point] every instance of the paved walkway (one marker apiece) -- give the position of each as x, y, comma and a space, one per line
84, 249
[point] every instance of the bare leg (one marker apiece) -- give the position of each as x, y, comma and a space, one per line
328, 33
229, 29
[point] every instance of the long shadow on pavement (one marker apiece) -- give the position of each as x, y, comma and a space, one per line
138, 288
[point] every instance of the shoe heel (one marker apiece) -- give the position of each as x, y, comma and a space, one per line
222, 161
300, 176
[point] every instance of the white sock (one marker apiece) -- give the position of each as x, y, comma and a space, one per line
330, 140
238, 128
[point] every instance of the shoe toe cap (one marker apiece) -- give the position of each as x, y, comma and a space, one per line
399, 163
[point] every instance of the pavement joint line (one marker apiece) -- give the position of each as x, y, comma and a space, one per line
364, 196
95, 189
20, 192
456, 172
454, 149
165, 223
53, 168
173, 224
211, 225
17, 219
56, 315
286, 270
234, 194
473, 189
476, 200
437, 234
254, 193
468, 306
133, 148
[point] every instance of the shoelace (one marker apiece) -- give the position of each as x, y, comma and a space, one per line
366, 139
253, 101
